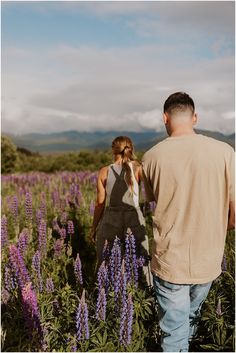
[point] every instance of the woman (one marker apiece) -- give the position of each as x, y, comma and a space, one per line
117, 207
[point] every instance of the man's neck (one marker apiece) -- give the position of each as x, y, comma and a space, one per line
182, 132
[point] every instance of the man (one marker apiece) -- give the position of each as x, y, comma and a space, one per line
190, 176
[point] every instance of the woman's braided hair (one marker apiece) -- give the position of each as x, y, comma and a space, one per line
123, 145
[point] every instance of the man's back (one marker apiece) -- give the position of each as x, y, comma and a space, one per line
191, 177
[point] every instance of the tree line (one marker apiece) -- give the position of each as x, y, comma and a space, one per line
20, 160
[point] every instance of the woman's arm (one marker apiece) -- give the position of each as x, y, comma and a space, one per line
137, 171
100, 201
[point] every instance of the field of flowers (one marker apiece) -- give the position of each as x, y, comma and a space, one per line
53, 300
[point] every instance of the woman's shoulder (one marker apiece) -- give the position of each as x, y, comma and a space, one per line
102, 174
103, 170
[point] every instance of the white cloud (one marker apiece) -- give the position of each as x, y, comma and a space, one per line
90, 88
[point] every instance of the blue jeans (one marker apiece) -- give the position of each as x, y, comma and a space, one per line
179, 309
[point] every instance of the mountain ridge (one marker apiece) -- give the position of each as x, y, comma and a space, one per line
72, 140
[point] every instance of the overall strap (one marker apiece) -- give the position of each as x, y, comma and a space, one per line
118, 176
119, 189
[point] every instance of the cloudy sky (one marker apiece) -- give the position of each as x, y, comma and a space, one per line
110, 65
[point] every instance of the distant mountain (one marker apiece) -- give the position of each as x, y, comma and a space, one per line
75, 141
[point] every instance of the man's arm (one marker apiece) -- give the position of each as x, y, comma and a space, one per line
231, 218
145, 176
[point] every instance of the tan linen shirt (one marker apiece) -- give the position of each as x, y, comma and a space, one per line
191, 179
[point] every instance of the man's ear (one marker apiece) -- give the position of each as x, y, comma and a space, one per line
165, 118
195, 118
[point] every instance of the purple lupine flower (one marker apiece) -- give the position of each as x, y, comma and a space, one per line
4, 235
140, 261
28, 207
37, 269
106, 252
49, 285
56, 198
5, 296
23, 242
218, 308
58, 246
70, 227
62, 232
115, 269
123, 284
39, 217
224, 264
31, 309
78, 270
42, 231
130, 258
18, 266
14, 206
101, 305
43, 205
115, 262
82, 328
92, 208
9, 279
126, 321
102, 277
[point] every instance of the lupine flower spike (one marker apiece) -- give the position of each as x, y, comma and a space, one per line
49, 285
101, 305
28, 207
82, 327
18, 266
70, 227
31, 309
126, 321
37, 271
115, 262
130, 258
106, 252
14, 207
23, 242
78, 270
102, 277
9, 279
4, 237
42, 230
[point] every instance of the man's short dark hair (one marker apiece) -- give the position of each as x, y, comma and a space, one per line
178, 102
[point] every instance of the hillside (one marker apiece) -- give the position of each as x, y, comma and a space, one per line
75, 141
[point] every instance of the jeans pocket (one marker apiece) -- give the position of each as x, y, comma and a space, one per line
167, 286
